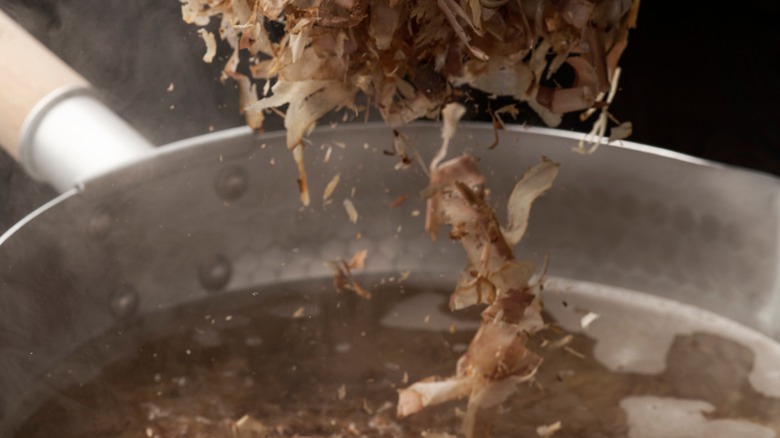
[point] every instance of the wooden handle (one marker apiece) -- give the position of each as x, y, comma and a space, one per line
28, 73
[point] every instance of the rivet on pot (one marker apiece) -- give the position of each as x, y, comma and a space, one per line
100, 223
124, 301
231, 183
215, 274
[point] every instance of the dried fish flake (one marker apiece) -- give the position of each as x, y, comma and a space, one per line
251, 426
398, 201
331, 186
533, 184
342, 275
564, 341
409, 58
358, 261
588, 319
328, 153
351, 211
498, 357
620, 132
549, 430
574, 352
211, 45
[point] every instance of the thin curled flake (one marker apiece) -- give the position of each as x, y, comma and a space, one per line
535, 182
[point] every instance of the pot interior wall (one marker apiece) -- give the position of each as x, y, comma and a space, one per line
220, 213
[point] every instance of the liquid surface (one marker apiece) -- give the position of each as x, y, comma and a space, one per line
302, 360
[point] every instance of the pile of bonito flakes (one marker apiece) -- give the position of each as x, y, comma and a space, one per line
412, 59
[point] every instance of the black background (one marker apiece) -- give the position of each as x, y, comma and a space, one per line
698, 77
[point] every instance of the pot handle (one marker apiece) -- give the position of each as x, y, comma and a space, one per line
49, 119
30, 72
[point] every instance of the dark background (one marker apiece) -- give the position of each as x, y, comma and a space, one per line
698, 78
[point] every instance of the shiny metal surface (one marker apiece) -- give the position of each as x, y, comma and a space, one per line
220, 212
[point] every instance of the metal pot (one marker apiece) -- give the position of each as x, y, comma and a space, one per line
220, 213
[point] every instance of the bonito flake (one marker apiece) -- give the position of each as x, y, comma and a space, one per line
498, 358
408, 57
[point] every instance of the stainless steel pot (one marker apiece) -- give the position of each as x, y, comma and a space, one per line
220, 213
